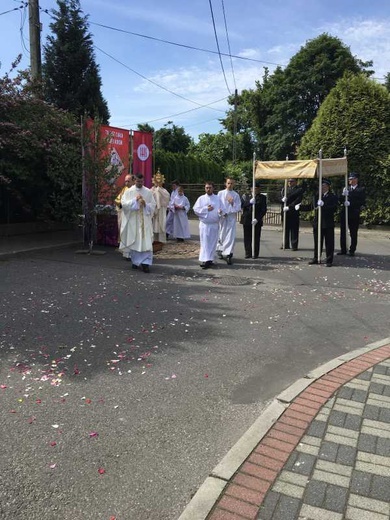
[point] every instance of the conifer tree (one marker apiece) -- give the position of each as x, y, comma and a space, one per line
70, 73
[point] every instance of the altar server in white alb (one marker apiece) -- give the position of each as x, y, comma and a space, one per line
180, 206
208, 209
138, 206
162, 197
169, 221
231, 205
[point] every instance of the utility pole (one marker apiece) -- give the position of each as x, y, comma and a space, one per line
35, 39
235, 128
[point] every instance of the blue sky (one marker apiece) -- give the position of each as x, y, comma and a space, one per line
268, 31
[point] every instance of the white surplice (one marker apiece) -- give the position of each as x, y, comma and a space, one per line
169, 222
227, 223
208, 225
180, 206
137, 227
162, 198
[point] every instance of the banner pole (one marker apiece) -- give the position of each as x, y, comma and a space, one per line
284, 214
253, 205
319, 219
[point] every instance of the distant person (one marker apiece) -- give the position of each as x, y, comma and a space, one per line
290, 211
354, 197
162, 197
328, 202
169, 222
180, 206
231, 205
260, 202
138, 207
208, 208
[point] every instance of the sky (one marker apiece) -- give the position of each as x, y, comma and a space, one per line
187, 81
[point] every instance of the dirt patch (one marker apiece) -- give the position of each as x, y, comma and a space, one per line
172, 249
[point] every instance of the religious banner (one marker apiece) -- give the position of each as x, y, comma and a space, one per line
142, 156
118, 141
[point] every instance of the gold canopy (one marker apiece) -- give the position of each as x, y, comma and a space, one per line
307, 169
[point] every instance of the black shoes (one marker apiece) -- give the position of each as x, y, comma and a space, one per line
313, 262
206, 265
145, 268
294, 249
352, 253
328, 264
228, 259
135, 267
342, 253
248, 256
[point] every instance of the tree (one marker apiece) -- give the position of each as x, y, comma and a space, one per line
71, 76
145, 127
219, 147
173, 139
282, 107
356, 115
39, 144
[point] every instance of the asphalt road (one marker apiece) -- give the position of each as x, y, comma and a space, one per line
120, 391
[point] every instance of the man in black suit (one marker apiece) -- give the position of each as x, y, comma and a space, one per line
260, 202
290, 211
355, 198
328, 203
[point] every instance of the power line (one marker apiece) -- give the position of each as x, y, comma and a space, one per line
228, 42
153, 82
183, 45
219, 51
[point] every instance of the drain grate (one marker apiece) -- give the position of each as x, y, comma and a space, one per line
231, 280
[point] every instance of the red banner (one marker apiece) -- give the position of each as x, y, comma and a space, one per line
117, 153
142, 156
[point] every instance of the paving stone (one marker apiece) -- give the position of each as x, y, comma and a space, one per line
291, 460
354, 513
346, 455
360, 483
328, 451
317, 429
383, 447
287, 508
315, 493
353, 422
337, 418
287, 489
384, 415
380, 488
331, 478
268, 506
380, 369
359, 395
316, 513
371, 412
369, 504
386, 391
366, 376
304, 464
335, 498
367, 443
377, 388
345, 392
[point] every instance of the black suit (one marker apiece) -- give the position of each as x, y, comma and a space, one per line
357, 199
327, 224
246, 221
294, 197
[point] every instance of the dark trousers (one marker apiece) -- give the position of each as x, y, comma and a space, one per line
327, 234
292, 230
353, 225
248, 240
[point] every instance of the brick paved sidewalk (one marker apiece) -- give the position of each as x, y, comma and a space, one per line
328, 455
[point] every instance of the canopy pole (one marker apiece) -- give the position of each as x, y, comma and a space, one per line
319, 216
253, 205
284, 214
346, 206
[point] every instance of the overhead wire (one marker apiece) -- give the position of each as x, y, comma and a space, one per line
228, 43
209, 51
217, 42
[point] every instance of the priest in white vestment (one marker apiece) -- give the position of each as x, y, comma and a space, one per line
208, 208
138, 206
231, 205
180, 206
162, 198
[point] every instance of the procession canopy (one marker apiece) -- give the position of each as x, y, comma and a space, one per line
306, 169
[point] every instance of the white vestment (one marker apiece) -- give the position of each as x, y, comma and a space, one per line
137, 227
180, 206
169, 222
227, 223
161, 196
208, 225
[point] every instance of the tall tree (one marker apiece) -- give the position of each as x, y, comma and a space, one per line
71, 76
172, 139
282, 107
356, 115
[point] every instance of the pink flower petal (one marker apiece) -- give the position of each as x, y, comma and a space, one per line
101, 471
